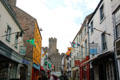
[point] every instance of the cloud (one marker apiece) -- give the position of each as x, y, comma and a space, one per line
58, 18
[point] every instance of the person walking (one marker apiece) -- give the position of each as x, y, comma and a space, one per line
63, 77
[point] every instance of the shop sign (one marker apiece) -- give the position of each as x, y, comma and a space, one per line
24, 61
93, 48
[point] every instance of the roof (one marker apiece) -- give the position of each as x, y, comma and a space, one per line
11, 12
95, 10
38, 28
84, 23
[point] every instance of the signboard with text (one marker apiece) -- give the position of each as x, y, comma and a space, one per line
93, 48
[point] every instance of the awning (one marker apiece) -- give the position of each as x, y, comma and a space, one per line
98, 56
24, 61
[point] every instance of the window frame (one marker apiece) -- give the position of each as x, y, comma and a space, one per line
103, 41
8, 33
16, 41
91, 27
102, 12
117, 31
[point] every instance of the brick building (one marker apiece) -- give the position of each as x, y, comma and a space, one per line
31, 29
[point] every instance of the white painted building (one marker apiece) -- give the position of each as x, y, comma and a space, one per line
8, 24
80, 51
115, 5
10, 43
101, 34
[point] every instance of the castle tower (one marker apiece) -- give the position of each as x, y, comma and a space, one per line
12, 2
52, 45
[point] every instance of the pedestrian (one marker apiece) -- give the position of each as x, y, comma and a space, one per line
53, 77
61, 77
65, 76
48, 74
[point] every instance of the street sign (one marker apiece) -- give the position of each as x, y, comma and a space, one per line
93, 48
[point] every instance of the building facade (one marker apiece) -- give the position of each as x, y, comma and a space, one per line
80, 53
102, 42
31, 32
102, 38
36, 52
10, 42
115, 5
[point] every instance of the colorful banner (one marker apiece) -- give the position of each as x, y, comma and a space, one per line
32, 42
74, 44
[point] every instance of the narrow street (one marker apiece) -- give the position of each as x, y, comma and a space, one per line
59, 40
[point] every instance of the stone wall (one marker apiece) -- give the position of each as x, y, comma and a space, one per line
54, 55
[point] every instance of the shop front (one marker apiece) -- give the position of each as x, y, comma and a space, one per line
75, 73
104, 67
85, 69
35, 72
9, 61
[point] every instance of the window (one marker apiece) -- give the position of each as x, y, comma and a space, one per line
85, 31
86, 47
82, 51
91, 27
117, 17
16, 40
101, 12
8, 33
104, 44
118, 31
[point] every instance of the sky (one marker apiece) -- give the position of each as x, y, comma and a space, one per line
61, 19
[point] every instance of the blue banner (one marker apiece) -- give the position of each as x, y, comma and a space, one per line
24, 61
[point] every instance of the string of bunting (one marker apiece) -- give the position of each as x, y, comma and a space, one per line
74, 44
